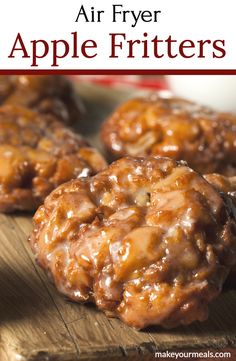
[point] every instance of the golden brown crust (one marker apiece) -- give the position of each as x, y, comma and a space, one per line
148, 240
37, 153
47, 94
175, 128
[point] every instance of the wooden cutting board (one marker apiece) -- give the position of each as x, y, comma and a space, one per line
36, 323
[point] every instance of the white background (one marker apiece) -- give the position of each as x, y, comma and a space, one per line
53, 20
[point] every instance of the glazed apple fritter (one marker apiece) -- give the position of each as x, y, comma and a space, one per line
175, 128
148, 240
38, 153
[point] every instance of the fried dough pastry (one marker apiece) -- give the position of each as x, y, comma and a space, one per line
38, 153
148, 240
48, 94
175, 128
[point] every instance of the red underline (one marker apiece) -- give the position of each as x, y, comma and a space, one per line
119, 71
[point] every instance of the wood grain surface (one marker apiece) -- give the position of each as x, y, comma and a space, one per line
36, 323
